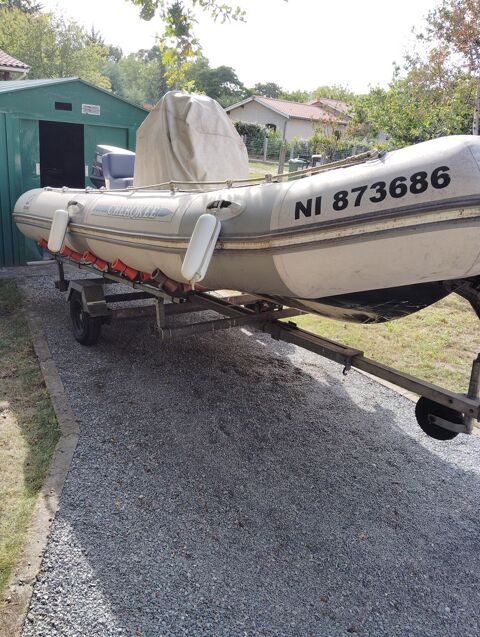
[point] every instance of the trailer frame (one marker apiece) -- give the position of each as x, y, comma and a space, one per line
440, 412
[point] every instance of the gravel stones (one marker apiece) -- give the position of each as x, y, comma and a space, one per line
231, 485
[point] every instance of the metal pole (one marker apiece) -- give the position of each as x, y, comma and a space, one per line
281, 159
473, 390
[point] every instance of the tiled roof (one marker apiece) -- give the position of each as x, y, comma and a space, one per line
291, 109
337, 105
295, 109
14, 64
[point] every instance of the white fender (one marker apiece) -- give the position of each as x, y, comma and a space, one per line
58, 229
200, 249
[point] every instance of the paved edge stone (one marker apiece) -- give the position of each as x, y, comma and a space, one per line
16, 599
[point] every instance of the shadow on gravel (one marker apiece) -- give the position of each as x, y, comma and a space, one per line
220, 489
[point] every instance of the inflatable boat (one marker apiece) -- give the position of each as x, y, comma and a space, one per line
374, 240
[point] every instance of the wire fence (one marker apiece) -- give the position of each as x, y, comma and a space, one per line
269, 150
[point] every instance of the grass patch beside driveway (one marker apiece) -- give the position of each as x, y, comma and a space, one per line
28, 428
437, 344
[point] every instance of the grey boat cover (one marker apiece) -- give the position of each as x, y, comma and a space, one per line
188, 138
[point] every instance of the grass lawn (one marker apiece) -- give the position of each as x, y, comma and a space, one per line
28, 428
261, 168
437, 344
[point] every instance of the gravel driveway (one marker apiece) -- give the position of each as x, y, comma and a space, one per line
230, 485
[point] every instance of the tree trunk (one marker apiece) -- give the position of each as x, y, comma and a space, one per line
476, 115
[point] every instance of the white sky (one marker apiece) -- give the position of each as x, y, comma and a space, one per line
299, 44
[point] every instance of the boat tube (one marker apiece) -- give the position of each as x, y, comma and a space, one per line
371, 241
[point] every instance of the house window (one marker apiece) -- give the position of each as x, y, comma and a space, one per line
272, 126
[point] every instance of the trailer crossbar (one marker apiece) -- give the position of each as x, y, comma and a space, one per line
245, 309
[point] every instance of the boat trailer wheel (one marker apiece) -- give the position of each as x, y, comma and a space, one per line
86, 328
427, 408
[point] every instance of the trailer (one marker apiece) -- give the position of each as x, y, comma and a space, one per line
442, 414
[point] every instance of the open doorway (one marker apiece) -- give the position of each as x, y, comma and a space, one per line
61, 155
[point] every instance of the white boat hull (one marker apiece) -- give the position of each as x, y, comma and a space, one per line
410, 218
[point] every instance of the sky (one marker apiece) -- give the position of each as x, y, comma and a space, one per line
299, 44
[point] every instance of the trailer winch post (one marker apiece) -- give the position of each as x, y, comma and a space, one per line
160, 313
62, 283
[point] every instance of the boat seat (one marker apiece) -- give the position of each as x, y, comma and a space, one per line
118, 170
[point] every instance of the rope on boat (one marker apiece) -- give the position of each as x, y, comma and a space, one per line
237, 183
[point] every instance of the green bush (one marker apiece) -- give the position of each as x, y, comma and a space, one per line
252, 132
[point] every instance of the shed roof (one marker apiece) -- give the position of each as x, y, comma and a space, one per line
19, 85
291, 110
7, 61
11, 86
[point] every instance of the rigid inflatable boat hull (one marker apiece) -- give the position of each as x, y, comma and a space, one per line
409, 218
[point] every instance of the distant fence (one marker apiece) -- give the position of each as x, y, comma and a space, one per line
268, 149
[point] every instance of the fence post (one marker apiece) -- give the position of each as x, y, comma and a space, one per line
281, 159
265, 148
292, 150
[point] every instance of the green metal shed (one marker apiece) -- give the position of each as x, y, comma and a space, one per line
48, 133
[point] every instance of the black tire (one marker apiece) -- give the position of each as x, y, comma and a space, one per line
425, 408
86, 328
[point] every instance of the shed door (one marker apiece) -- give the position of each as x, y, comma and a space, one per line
61, 155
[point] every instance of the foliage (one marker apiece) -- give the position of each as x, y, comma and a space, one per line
138, 77
217, 10
267, 89
221, 83
409, 114
52, 46
252, 132
335, 92
331, 144
453, 33
178, 44
295, 96
27, 6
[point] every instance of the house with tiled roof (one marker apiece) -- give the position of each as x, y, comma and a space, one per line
11, 68
290, 119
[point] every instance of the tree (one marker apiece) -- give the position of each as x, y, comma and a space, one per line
138, 77
220, 83
268, 89
411, 111
295, 96
52, 47
453, 33
27, 6
180, 48
217, 10
335, 92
